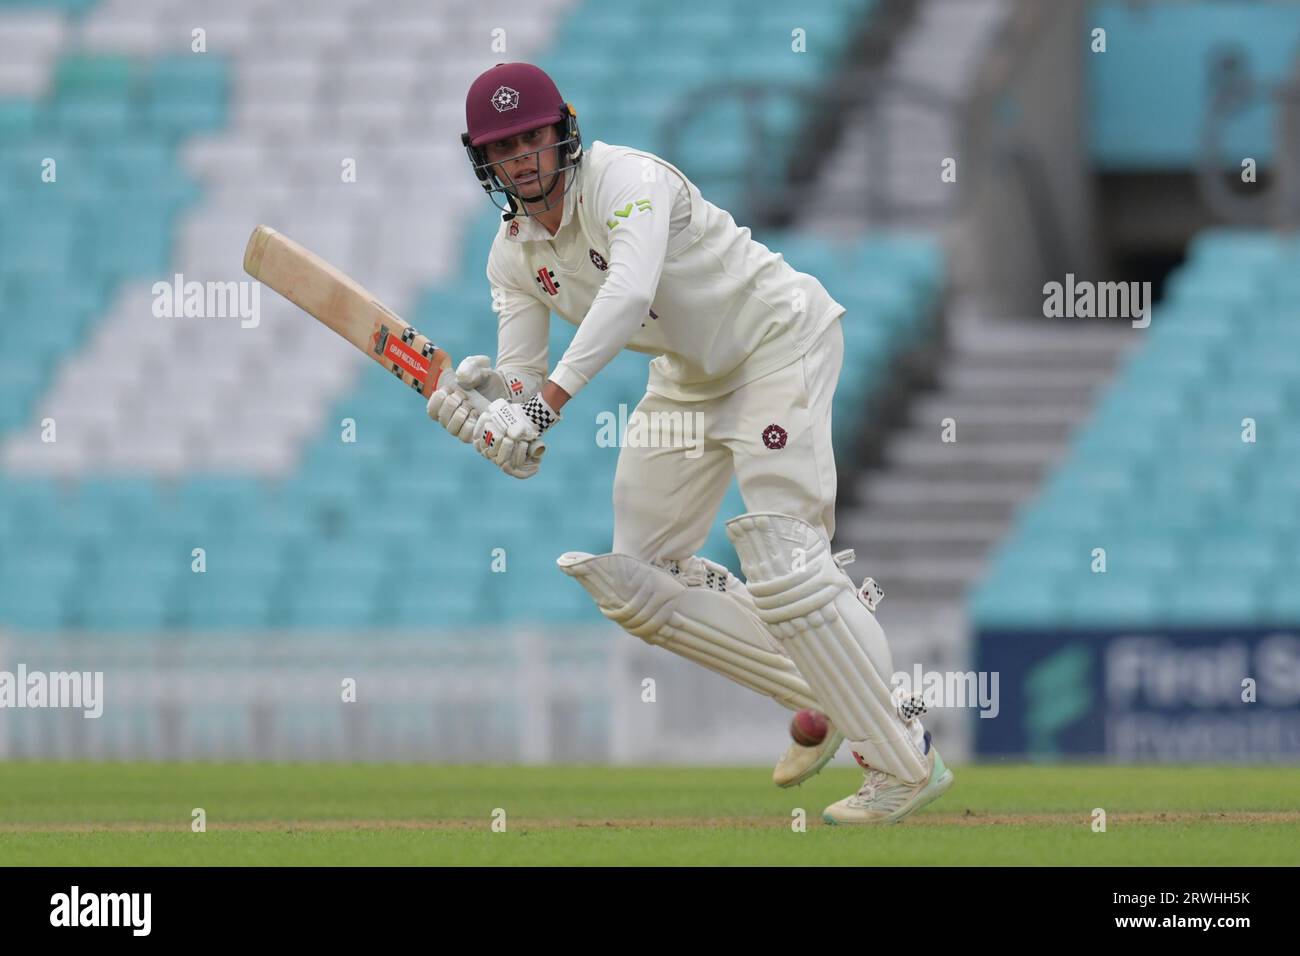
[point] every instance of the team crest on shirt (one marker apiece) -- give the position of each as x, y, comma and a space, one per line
774, 437
598, 260
514, 229
546, 279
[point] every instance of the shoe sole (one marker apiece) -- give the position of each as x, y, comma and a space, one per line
935, 789
816, 767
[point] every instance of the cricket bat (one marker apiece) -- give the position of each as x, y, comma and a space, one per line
344, 306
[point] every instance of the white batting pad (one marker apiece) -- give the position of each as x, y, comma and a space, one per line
718, 629
810, 605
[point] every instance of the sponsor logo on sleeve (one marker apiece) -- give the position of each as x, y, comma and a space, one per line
633, 208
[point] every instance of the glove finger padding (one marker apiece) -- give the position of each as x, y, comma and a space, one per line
436, 401
506, 454
519, 453
505, 438
527, 470
496, 447
454, 402
487, 437
462, 422
450, 407
510, 455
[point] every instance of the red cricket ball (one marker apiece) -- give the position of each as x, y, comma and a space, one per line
809, 727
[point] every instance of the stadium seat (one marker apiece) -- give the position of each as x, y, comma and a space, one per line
350, 525
1160, 475
1115, 598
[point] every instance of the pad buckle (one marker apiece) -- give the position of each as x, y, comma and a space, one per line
871, 593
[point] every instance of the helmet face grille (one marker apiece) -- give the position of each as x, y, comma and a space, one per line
503, 102
505, 194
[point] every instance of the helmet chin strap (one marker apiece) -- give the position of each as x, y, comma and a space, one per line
516, 201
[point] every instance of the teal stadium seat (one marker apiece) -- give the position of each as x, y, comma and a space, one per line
185, 94
17, 118
38, 580
1228, 597
1148, 93
1010, 599
1160, 475
1143, 554
64, 6
110, 214
1112, 598
350, 541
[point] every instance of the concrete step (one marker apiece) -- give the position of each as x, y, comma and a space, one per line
1018, 336
936, 630
1098, 362
962, 377
889, 487
973, 393
861, 527
874, 554
995, 423
939, 592
877, 542
950, 574
933, 408
889, 496
925, 457
945, 510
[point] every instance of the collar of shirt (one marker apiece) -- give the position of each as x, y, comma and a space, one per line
530, 230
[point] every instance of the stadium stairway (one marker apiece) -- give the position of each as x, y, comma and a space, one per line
925, 516
1014, 388
895, 138
1185, 472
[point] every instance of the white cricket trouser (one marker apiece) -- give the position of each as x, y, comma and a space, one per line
773, 434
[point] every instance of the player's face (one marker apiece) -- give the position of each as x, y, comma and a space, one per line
525, 163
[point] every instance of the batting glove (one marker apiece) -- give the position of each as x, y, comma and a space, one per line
449, 405
505, 434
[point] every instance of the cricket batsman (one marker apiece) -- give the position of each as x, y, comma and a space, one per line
620, 244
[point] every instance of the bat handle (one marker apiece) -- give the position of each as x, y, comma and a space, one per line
481, 405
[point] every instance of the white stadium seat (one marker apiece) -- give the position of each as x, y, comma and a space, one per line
380, 81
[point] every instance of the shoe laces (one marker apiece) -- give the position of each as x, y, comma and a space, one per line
873, 782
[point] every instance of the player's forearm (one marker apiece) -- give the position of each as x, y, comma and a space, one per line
554, 396
614, 317
637, 250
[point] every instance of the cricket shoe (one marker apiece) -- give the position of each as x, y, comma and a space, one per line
800, 763
883, 798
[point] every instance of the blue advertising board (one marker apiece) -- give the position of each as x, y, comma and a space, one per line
1143, 695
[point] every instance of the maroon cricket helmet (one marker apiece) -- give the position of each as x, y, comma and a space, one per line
509, 99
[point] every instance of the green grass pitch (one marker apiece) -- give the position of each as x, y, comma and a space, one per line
76, 814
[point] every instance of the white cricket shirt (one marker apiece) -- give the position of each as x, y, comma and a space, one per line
642, 261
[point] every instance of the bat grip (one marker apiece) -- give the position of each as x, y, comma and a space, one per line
481, 405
